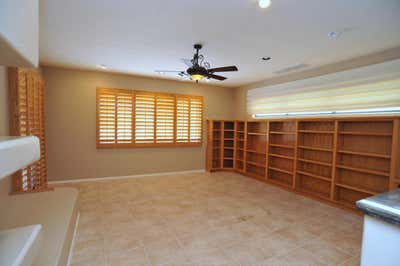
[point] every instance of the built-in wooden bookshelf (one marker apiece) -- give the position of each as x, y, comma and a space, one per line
339, 160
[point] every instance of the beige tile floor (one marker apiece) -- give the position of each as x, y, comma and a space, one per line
209, 219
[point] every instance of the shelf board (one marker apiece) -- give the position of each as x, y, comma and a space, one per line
357, 133
229, 130
367, 171
229, 139
240, 139
255, 175
313, 193
229, 148
314, 176
216, 148
240, 160
368, 154
256, 164
281, 170
281, 146
346, 204
356, 189
316, 131
240, 131
281, 156
283, 132
314, 162
257, 134
279, 183
315, 148
257, 152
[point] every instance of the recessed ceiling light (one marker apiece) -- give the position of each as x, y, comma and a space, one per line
333, 34
102, 66
264, 3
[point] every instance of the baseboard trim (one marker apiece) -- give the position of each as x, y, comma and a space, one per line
95, 179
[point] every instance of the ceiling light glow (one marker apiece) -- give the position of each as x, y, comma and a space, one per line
264, 3
102, 66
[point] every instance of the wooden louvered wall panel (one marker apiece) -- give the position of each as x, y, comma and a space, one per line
27, 118
132, 118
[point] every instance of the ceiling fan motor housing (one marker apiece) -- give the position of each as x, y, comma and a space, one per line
197, 70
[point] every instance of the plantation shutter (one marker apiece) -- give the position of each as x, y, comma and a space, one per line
165, 118
130, 118
182, 119
144, 117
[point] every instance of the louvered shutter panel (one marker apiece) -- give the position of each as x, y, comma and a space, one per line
144, 117
27, 112
182, 119
196, 119
165, 118
106, 116
123, 110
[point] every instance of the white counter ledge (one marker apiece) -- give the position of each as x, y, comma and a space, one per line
19, 246
17, 152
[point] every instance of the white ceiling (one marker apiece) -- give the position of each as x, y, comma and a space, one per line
139, 37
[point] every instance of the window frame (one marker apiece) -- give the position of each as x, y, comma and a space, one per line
133, 144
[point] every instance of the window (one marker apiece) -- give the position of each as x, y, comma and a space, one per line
132, 118
367, 90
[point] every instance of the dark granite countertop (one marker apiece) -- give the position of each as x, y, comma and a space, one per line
385, 206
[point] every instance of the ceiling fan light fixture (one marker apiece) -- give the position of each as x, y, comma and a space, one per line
196, 77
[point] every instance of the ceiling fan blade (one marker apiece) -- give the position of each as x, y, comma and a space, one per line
216, 77
187, 62
223, 69
168, 71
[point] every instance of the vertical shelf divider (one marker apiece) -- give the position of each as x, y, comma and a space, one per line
222, 143
245, 147
267, 151
334, 160
394, 160
296, 144
235, 137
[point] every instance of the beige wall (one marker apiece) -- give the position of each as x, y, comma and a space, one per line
379, 57
71, 126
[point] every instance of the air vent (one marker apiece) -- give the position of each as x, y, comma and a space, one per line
291, 68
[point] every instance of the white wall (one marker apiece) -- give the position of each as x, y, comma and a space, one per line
19, 33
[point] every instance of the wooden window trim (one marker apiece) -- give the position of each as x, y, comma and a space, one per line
133, 143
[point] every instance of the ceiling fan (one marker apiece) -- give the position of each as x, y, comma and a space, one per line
200, 69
